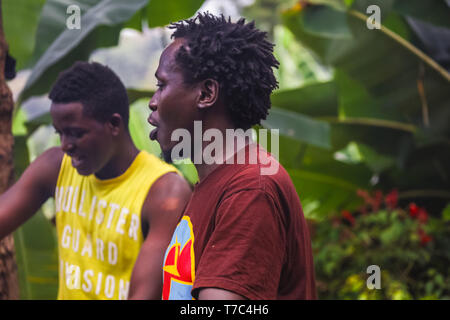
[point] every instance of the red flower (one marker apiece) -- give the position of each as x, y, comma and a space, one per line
373, 202
391, 199
348, 216
422, 215
365, 195
377, 199
418, 213
413, 210
424, 238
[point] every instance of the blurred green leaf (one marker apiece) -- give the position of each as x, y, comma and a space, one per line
137, 20
37, 258
20, 15
162, 12
360, 153
315, 99
384, 5
391, 96
35, 243
140, 128
391, 234
322, 193
355, 101
336, 4
299, 127
18, 126
34, 123
349, 3
100, 26
298, 65
52, 22
326, 22
136, 94
436, 12
446, 213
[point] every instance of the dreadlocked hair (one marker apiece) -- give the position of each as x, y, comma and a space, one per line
96, 87
237, 56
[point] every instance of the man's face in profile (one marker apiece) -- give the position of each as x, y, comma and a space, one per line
174, 104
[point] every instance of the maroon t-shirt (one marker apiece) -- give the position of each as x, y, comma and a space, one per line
243, 232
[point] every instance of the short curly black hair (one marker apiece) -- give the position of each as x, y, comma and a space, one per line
237, 55
96, 87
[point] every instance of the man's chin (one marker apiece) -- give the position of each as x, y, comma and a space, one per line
167, 155
84, 172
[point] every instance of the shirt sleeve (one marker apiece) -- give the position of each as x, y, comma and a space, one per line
246, 250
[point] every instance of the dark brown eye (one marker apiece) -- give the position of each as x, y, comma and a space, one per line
76, 133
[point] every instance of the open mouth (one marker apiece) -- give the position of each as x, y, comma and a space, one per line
154, 134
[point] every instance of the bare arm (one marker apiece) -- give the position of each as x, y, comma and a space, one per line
162, 210
34, 187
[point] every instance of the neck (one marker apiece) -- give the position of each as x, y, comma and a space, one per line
120, 161
225, 145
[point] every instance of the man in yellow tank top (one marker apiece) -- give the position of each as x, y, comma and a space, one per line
116, 206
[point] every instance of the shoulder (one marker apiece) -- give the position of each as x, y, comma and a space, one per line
151, 168
152, 161
266, 175
170, 183
44, 170
167, 180
273, 188
170, 192
49, 162
52, 156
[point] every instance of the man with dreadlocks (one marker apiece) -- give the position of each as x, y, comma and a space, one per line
242, 234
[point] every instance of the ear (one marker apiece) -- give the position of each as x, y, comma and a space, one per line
115, 123
209, 93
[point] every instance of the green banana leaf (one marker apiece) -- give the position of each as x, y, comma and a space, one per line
432, 11
325, 185
37, 259
298, 126
327, 178
377, 76
100, 27
20, 15
136, 94
315, 99
35, 244
373, 66
52, 23
160, 12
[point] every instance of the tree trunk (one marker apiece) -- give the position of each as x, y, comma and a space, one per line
9, 288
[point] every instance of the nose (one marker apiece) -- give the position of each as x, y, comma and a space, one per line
153, 103
67, 144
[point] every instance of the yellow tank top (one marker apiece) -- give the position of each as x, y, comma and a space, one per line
98, 225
